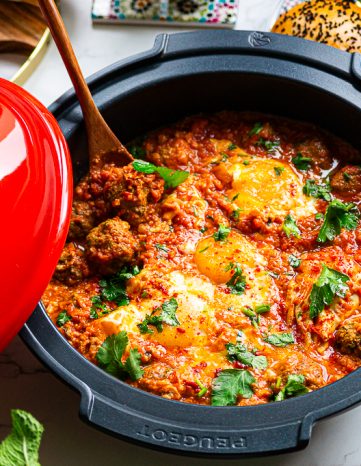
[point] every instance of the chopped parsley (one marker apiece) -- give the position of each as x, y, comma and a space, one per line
300, 162
113, 288
239, 352
270, 146
172, 178
257, 128
319, 191
290, 227
246, 162
346, 176
63, 318
279, 170
222, 233
98, 305
166, 314
161, 247
319, 216
253, 317
294, 387
280, 339
109, 357
237, 283
338, 215
294, 261
262, 308
232, 146
229, 385
329, 284
236, 213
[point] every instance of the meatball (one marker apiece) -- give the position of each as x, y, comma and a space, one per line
110, 245
348, 337
130, 192
317, 151
347, 181
82, 220
72, 266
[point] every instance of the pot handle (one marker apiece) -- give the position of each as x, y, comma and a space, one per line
263, 43
162, 434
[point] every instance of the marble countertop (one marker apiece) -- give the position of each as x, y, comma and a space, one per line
26, 384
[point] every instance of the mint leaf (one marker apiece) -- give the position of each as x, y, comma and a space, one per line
63, 318
172, 178
318, 191
222, 233
280, 339
240, 353
21, 447
229, 384
338, 215
290, 227
300, 162
329, 284
294, 387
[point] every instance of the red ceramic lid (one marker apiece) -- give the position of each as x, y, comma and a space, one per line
35, 203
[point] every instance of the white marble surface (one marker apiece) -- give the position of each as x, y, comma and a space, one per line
26, 384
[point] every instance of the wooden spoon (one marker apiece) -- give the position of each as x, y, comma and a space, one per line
104, 147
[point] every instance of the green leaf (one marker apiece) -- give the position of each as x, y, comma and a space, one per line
161, 247
98, 308
172, 178
257, 128
329, 284
290, 227
338, 215
300, 162
279, 170
167, 315
114, 288
294, 261
280, 339
237, 283
270, 146
21, 447
222, 233
240, 353
229, 384
262, 308
232, 146
294, 387
63, 318
318, 191
132, 365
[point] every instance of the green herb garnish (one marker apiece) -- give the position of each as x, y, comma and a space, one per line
262, 308
280, 339
346, 176
63, 318
109, 357
338, 215
329, 284
161, 247
294, 387
172, 178
319, 191
222, 233
294, 261
21, 446
300, 162
229, 385
279, 170
166, 314
257, 128
98, 305
237, 283
290, 227
239, 352
270, 146
232, 146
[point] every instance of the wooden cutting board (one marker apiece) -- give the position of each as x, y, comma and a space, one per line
21, 27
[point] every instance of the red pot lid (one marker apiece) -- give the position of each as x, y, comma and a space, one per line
35, 203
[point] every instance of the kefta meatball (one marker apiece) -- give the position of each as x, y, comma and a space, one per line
347, 181
82, 220
348, 337
72, 267
110, 245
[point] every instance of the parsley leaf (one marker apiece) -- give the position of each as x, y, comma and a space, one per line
294, 261
237, 283
329, 284
172, 178
300, 162
97, 305
161, 247
338, 215
166, 316
109, 357
257, 128
63, 318
229, 384
318, 191
114, 288
279, 170
280, 339
294, 387
222, 233
240, 353
232, 146
270, 146
21, 446
290, 227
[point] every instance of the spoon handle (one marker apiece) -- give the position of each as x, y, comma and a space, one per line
101, 139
